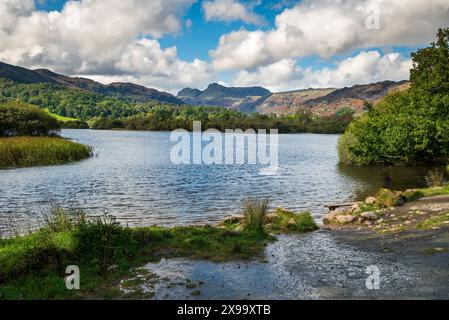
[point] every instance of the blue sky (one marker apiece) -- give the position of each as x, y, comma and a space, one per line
315, 43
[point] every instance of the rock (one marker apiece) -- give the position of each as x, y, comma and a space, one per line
113, 267
369, 215
346, 219
234, 219
355, 208
329, 218
371, 200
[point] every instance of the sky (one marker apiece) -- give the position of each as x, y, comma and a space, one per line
172, 44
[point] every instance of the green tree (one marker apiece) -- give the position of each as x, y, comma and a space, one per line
430, 71
19, 119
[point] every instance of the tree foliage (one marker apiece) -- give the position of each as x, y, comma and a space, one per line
19, 119
411, 126
171, 118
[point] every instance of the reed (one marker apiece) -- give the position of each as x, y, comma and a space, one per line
40, 151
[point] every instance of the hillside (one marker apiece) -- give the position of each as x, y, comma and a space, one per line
124, 91
319, 101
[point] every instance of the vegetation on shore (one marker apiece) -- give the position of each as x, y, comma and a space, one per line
74, 108
182, 117
40, 151
407, 127
33, 266
28, 138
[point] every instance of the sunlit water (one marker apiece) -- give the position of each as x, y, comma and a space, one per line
132, 177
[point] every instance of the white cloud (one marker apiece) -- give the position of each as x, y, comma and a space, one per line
230, 10
97, 37
328, 27
366, 67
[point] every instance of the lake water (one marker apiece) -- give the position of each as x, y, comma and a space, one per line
132, 177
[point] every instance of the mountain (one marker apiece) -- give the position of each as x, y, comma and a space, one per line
123, 91
221, 96
319, 101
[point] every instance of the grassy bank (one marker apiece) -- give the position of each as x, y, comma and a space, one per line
33, 266
40, 151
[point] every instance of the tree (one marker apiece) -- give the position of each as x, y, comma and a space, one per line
19, 119
407, 127
430, 71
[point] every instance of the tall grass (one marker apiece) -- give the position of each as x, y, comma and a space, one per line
255, 215
435, 178
40, 151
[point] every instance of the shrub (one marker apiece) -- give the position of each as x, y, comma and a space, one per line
406, 127
19, 119
103, 240
387, 198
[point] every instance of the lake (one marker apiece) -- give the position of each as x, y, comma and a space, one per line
131, 176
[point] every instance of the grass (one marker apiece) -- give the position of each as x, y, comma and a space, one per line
40, 151
33, 266
287, 221
60, 118
435, 191
433, 222
255, 215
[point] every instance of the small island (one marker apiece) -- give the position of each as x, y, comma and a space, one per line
28, 137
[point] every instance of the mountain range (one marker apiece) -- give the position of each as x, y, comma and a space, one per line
319, 101
246, 99
124, 91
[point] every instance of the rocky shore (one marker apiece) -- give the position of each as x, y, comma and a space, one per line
394, 212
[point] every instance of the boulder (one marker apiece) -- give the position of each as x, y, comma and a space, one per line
346, 219
234, 219
371, 200
369, 215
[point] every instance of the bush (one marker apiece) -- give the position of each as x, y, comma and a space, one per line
18, 119
386, 198
408, 127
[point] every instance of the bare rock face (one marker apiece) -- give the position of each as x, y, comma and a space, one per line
371, 200
346, 219
369, 215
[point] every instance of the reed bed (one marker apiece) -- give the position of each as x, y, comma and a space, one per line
40, 151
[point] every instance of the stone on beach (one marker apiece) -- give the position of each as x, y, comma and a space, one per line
346, 219
369, 215
234, 219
